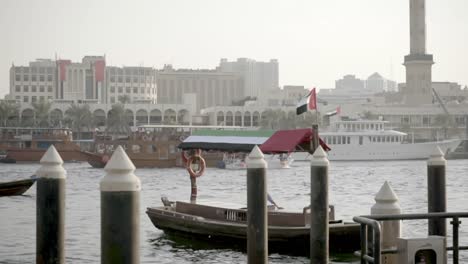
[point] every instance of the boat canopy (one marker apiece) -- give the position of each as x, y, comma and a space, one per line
286, 141
270, 142
225, 140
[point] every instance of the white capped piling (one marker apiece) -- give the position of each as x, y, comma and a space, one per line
257, 218
436, 191
319, 234
120, 211
50, 209
387, 203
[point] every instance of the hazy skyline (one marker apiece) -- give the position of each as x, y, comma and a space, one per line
315, 42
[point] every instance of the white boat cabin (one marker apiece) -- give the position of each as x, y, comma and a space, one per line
361, 132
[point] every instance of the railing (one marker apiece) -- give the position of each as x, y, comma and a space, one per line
373, 222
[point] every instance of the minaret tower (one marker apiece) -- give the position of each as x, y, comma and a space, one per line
418, 64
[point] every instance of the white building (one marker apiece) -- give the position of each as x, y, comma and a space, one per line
260, 78
86, 81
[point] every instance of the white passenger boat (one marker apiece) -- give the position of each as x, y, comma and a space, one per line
369, 140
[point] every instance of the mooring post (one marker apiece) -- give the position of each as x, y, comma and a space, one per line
193, 192
257, 218
319, 207
50, 209
386, 203
120, 211
436, 195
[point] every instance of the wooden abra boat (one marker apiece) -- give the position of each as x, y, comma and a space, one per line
30, 144
15, 187
288, 232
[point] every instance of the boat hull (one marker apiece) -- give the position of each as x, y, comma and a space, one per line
384, 151
284, 239
15, 187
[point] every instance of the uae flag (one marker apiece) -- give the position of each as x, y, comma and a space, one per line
309, 102
336, 112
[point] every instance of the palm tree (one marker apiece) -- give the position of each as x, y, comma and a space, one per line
78, 116
41, 112
117, 121
9, 113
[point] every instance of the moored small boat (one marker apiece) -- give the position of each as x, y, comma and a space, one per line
288, 232
15, 187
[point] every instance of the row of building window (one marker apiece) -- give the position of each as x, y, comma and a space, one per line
136, 71
134, 89
33, 89
49, 70
34, 78
128, 79
113, 99
33, 98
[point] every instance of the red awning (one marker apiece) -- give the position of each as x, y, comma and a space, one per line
285, 141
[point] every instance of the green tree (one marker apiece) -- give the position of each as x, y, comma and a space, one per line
41, 113
117, 121
77, 117
9, 113
124, 99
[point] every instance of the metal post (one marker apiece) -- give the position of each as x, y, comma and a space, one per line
386, 203
455, 238
120, 211
436, 195
257, 221
193, 193
319, 207
50, 209
363, 243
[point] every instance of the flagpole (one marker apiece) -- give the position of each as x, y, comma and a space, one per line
315, 136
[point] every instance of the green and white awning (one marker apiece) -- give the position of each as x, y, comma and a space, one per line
225, 140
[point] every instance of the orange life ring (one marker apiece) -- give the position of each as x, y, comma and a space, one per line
201, 166
186, 155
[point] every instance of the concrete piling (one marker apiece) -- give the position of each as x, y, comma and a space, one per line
50, 209
257, 221
120, 211
386, 203
319, 233
436, 194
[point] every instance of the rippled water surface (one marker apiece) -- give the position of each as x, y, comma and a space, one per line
353, 186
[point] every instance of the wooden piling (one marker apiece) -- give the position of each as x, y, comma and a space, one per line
319, 233
386, 203
50, 209
257, 221
120, 211
436, 194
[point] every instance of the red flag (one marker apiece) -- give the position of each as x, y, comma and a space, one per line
338, 110
313, 100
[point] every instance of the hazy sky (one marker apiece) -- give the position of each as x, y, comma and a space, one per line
315, 41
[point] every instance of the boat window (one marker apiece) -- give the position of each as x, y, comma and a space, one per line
349, 140
372, 126
334, 140
343, 139
378, 139
360, 140
392, 139
136, 148
339, 140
